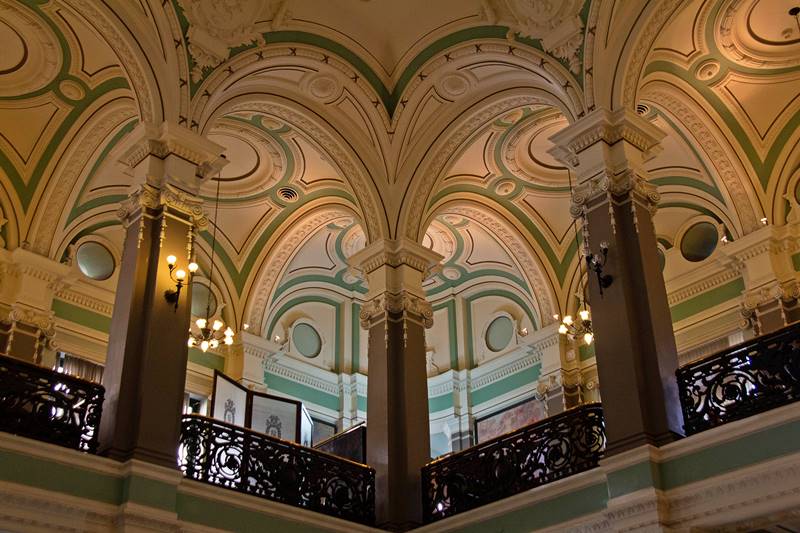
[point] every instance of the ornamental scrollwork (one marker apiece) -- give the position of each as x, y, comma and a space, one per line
150, 197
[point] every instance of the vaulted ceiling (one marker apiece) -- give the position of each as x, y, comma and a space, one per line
398, 116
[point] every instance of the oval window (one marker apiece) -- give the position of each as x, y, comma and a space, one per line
699, 241
306, 340
203, 298
499, 333
95, 261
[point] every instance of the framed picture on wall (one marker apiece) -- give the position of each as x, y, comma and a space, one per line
509, 419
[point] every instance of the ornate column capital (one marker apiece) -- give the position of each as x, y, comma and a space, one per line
607, 149
167, 153
395, 270
169, 197
609, 127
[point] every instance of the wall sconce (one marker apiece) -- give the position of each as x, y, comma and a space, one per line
179, 277
597, 262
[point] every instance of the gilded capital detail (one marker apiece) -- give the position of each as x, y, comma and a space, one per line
615, 184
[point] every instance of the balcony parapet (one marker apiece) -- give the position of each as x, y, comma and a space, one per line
39, 403
741, 381
236, 458
537, 454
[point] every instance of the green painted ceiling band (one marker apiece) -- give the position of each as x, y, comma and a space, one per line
690, 182
763, 168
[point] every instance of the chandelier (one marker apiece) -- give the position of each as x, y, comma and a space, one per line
579, 327
206, 333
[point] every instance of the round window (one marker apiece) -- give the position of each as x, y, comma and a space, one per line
499, 333
95, 261
306, 340
699, 241
202, 297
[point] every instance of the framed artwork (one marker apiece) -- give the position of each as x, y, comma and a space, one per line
322, 431
229, 400
509, 419
277, 417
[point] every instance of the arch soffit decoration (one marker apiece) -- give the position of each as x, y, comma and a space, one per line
702, 85
523, 253
259, 294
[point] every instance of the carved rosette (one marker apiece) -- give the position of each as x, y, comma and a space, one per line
397, 303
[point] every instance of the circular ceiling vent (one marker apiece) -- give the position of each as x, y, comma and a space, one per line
642, 109
288, 194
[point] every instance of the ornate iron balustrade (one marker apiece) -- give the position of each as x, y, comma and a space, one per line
45, 405
741, 381
552, 449
236, 458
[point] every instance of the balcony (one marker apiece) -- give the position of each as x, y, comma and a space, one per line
741, 381
38, 403
551, 449
239, 459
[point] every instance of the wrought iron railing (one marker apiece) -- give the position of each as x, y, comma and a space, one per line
741, 381
236, 458
546, 451
45, 405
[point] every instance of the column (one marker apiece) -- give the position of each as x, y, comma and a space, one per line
147, 351
28, 283
398, 436
771, 299
635, 346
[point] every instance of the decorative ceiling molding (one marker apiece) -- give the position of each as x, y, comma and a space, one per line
556, 24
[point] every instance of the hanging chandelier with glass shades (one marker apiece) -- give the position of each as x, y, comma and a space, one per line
206, 333
580, 327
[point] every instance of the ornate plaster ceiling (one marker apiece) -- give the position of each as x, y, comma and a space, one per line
369, 110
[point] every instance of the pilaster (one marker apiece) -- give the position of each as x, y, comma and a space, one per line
771, 299
28, 283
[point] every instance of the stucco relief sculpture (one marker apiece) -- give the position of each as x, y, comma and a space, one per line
216, 27
557, 24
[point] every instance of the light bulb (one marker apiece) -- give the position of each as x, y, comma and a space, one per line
204, 346
568, 319
588, 337
584, 314
214, 343
201, 323
216, 325
193, 267
245, 326
191, 342
171, 260
562, 329
277, 338
180, 274
228, 332
556, 316
228, 340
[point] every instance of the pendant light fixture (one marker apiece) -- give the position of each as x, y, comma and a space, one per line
206, 333
580, 327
